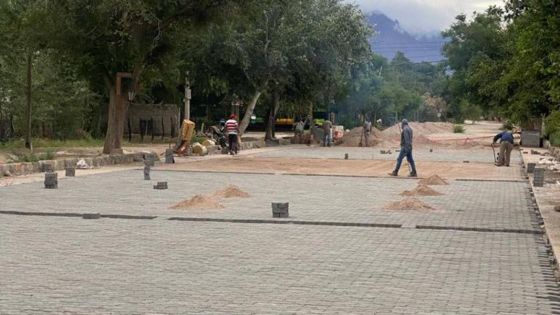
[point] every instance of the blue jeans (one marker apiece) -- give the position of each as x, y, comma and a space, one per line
408, 153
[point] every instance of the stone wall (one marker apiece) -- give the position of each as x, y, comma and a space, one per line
16, 169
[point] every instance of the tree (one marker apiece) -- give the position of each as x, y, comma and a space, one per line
104, 38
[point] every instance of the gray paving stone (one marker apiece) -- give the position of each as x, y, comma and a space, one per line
123, 267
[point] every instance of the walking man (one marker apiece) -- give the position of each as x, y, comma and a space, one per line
406, 150
232, 129
506, 146
327, 136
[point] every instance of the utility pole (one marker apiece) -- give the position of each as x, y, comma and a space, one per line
188, 96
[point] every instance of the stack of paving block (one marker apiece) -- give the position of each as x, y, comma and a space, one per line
538, 180
161, 185
280, 210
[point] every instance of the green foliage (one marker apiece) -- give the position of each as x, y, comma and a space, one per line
554, 138
507, 125
458, 129
27, 156
506, 62
552, 123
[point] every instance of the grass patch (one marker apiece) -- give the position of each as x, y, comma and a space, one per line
458, 129
49, 143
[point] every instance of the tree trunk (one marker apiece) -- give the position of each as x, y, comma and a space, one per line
268, 135
272, 112
248, 113
115, 121
28, 143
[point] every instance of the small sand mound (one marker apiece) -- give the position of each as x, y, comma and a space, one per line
421, 190
433, 180
409, 204
198, 202
231, 191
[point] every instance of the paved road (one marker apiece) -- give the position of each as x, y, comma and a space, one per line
133, 266
483, 204
115, 266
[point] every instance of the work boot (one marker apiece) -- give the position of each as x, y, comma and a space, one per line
413, 174
394, 173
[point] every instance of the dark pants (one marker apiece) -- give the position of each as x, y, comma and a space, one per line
232, 143
408, 153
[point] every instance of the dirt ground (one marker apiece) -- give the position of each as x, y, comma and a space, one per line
375, 168
433, 134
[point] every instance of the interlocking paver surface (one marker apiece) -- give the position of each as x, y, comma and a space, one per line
133, 266
483, 155
112, 266
312, 198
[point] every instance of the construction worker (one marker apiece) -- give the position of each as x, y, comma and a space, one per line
232, 130
327, 136
367, 131
406, 150
506, 146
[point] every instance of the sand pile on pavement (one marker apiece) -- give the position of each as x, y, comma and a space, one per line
421, 190
409, 204
231, 191
353, 137
199, 202
433, 180
211, 201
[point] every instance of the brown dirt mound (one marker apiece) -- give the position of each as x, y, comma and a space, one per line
198, 202
231, 191
409, 204
433, 180
354, 136
421, 190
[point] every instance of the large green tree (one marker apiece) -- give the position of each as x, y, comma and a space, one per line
104, 38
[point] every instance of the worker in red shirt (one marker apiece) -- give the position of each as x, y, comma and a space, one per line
232, 130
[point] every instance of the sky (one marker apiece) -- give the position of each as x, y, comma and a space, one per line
423, 16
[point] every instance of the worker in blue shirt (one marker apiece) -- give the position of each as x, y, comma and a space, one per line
506, 146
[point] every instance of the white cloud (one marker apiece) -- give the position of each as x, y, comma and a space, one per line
420, 16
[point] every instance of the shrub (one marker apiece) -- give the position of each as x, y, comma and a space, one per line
507, 125
458, 129
552, 123
555, 138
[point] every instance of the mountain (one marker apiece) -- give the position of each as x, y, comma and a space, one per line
390, 38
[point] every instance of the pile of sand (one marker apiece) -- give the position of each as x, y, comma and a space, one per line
211, 201
421, 190
231, 191
353, 137
433, 180
409, 204
199, 202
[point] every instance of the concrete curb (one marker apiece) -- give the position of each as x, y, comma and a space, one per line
25, 168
